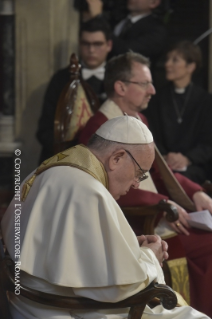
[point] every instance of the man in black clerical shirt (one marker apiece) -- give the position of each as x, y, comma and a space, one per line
94, 46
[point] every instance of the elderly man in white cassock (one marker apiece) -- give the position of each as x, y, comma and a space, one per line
75, 240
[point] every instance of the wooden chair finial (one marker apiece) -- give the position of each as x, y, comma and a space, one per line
74, 67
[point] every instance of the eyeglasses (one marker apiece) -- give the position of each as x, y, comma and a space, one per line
142, 84
141, 178
97, 45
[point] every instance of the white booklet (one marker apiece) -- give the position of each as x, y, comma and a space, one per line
201, 220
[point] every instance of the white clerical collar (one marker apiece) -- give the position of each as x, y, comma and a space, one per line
179, 90
134, 19
99, 72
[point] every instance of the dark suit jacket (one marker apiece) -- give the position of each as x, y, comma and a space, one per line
147, 36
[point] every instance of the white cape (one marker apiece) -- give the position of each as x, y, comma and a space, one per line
70, 220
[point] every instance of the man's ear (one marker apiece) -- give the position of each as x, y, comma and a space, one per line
116, 159
120, 88
109, 45
154, 4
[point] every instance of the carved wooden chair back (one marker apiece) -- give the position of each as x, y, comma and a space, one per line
77, 103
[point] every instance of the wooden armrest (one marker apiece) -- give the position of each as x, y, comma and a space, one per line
137, 302
149, 213
153, 210
146, 214
171, 211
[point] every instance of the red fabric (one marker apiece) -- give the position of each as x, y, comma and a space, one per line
138, 197
91, 127
198, 252
176, 249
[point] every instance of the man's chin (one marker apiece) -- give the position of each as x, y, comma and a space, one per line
144, 106
117, 196
93, 64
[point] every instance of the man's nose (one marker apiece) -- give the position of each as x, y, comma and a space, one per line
151, 89
91, 48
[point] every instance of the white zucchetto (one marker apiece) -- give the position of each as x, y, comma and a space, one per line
125, 129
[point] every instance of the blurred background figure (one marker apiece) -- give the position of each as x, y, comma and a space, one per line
140, 30
180, 115
94, 45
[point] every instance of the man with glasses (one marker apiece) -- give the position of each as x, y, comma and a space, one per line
141, 176
94, 45
75, 240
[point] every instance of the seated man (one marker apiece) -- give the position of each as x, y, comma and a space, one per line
95, 44
74, 238
128, 84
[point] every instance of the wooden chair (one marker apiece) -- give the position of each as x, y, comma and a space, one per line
77, 103
153, 295
148, 214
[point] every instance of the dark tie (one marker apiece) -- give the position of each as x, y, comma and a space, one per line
127, 25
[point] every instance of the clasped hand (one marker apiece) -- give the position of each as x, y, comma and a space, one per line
156, 244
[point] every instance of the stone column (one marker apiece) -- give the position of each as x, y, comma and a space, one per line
46, 35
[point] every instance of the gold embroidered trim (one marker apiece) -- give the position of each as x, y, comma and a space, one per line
79, 157
180, 277
26, 187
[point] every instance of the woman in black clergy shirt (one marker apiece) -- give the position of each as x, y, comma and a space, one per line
180, 115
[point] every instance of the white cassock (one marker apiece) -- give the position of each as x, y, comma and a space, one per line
75, 240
